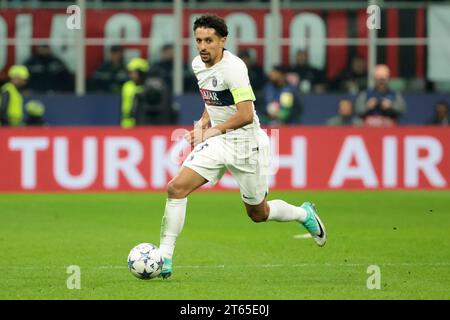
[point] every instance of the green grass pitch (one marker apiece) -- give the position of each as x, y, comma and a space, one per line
221, 254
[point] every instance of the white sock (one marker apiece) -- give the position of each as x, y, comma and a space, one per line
171, 225
283, 211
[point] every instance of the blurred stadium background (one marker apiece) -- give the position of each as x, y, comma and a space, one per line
95, 119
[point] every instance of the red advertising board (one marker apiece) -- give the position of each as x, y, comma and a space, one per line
113, 159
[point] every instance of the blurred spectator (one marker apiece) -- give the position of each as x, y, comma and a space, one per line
35, 113
255, 72
440, 114
153, 105
310, 78
345, 116
11, 100
48, 73
354, 78
279, 102
112, 74
164, 68
137, 71
380, 106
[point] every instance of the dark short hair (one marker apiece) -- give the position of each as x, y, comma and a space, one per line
212, 21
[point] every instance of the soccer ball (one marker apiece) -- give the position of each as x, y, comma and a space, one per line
145, 261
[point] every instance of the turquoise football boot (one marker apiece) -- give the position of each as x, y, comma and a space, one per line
313, 224
166, 271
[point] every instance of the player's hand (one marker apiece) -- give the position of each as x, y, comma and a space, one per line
194, 137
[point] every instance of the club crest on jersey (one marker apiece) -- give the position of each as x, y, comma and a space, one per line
214, 82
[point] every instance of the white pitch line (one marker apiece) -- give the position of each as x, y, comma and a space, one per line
221, 266
303, 236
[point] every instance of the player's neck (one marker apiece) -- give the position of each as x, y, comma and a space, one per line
217, 60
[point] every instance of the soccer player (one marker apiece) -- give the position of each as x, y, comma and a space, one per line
227, 137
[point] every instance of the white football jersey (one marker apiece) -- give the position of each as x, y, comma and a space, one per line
221, 87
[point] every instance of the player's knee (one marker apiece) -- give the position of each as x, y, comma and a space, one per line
257, 215
176, 190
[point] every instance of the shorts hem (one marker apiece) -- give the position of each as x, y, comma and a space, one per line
253, 202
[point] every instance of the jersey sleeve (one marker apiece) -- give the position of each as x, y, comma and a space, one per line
237, 81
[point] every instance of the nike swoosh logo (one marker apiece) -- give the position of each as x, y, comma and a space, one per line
320, 227
245, 197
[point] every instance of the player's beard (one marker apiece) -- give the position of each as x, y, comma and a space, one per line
206, 57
